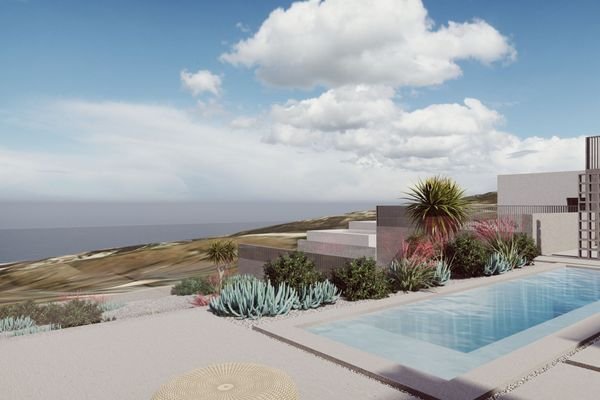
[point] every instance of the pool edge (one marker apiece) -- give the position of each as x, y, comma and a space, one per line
476, 384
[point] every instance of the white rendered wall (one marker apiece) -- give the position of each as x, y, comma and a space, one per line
555, 233
548, 188
343, 236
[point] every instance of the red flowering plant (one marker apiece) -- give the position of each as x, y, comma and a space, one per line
499, 235
202, 300
497, 232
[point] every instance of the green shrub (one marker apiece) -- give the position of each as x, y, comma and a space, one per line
71, 313
526, 247
26, 309
190, 286
407, 275
293, 269
469, 255
361, 279
66, 314
253, 299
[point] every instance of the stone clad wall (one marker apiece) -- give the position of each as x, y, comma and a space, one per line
251, 259
393, 227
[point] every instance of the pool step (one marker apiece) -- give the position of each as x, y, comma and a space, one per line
570, 260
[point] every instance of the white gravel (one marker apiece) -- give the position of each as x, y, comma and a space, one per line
138, 308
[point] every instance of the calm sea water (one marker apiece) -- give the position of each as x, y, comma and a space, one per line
32, 231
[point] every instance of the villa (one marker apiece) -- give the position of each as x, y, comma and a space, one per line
557, 210
517, 331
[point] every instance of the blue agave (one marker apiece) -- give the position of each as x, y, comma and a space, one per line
252, 298
316, 295
497, 264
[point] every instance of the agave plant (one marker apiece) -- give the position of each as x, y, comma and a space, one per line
316, 295
496, 264
253, 299
438, 207
13, 324
407, 274
20, 326
510, 251
442, 272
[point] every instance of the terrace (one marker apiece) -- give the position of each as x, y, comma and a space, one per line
456, 308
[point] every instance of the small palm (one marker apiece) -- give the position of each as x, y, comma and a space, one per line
438, 207
222, 253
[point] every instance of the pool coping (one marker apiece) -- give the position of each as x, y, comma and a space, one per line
477, 383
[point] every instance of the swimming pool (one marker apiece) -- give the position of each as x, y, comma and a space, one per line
452, 334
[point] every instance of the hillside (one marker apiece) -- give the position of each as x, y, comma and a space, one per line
485, 198
123, 269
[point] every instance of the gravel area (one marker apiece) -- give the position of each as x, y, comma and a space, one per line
138, 308
536, 373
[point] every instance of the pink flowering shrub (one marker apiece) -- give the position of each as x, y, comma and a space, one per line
495, 232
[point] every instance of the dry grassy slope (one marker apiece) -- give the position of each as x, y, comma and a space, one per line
153, 264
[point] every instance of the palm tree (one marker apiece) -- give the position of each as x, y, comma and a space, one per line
222, 253
438, 207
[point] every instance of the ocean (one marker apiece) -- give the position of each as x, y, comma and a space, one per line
37, 230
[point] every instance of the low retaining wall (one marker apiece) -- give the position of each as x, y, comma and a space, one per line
336, 249
251, 259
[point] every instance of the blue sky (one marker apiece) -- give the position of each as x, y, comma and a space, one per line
62, 56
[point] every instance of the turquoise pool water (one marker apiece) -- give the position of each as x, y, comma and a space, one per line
450, 335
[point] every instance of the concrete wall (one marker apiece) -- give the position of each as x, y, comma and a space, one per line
551, 188
251, 259
336, 249
393, 227
555, 232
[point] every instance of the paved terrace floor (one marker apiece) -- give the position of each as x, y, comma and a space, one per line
130, 359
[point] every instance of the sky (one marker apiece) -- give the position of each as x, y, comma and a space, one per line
335, 100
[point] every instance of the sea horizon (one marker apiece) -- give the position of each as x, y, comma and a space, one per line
34, 231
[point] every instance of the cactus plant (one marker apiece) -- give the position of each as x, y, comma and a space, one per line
442, 273
245, 298
316, 295
496, 264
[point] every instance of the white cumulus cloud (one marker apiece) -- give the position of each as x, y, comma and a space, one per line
343, 42
365, 123
132, 151
201, 81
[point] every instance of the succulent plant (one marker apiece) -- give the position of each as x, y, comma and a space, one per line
408, 274
19, 326
246, 298
442, 273
496, 264
239, 278
316, 295
9, 324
